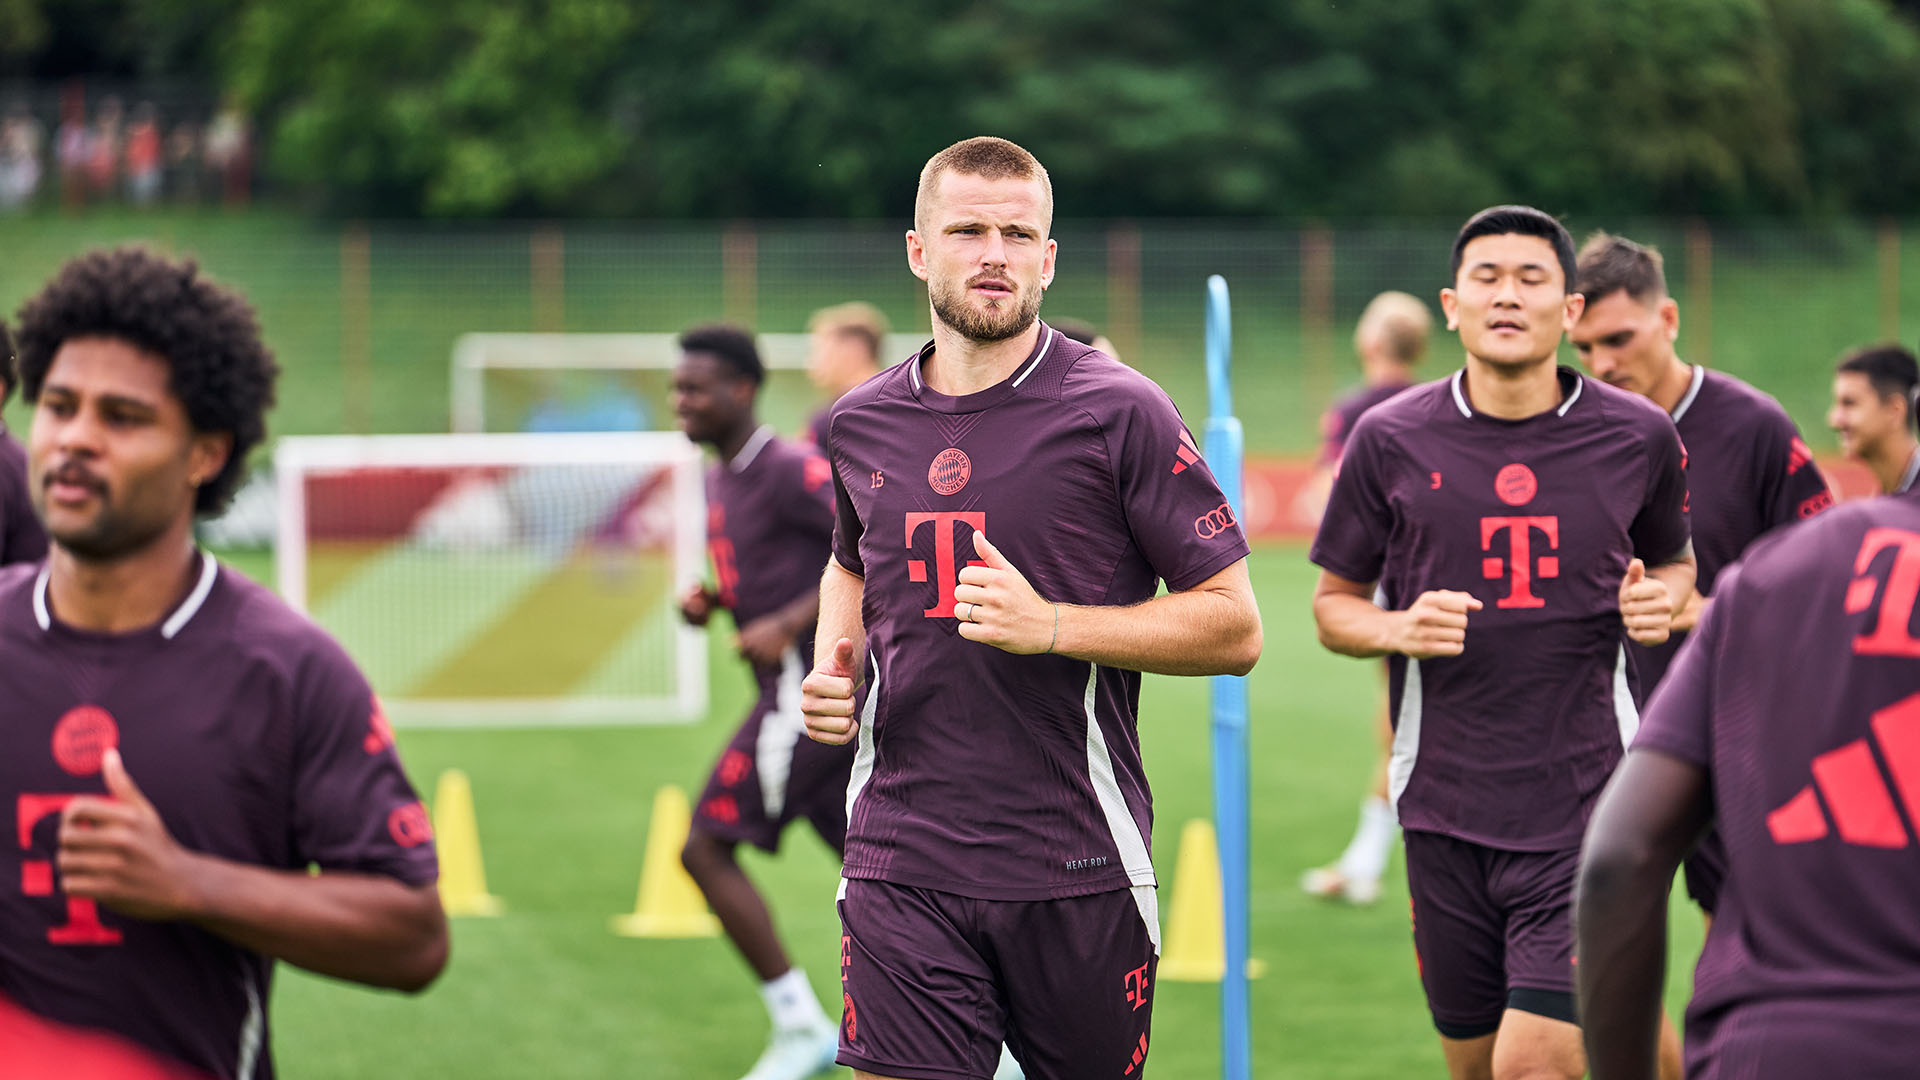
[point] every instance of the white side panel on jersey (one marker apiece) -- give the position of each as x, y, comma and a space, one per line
862, 757
253, 1028
1406, 737
780, 731
1624, 711
1147, 899
1126, 832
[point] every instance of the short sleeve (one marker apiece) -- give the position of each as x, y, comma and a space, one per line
1790, 485
1333, 438
1660, 530
1352, 541
1179, 517
847, 526
1678, 720
354, 808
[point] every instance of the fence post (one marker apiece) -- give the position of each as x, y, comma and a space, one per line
547, 253
1123, 287
1699, 315
356, 328
739, 273
1889, 279
1316, 312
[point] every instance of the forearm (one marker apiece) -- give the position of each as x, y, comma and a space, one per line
1678, 577
1197, 632
365, 928
841, 593
1353, 626
1622, 932
803, 612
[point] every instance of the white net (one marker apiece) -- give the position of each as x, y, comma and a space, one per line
502, 580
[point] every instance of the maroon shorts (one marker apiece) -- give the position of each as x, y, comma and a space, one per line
1492, 930
933, 983
770, 774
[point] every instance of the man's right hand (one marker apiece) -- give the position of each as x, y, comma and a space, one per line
697, 604
1436, 624
826, 697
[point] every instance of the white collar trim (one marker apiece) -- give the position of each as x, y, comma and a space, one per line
756, 442
1466, 410
1693, 391
176, 622
1913, 471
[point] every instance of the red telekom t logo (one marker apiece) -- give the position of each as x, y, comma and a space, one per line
1891, 634
1519, 567
83, 925
946, 527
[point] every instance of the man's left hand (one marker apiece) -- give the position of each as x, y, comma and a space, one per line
117, 851
997, 607
765, 640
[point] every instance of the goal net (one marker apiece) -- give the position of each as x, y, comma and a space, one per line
502, 580
612, 382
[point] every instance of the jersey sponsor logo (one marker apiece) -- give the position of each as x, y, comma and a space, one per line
83, 925
1185, 454
379, 730
946, 528
1814, 504
1521, 566
1850, 784
1214, 522
1515, 484
81, 737
725, 568
815, 472
1892, 595
409, 825
1136, 986
950, 471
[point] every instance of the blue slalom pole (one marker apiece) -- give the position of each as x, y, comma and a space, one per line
1224, 448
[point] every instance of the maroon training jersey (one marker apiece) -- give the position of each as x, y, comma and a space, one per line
1336, 425
1799, 694
256, 739
1508, 744
1748, 471
979, 772
816, 432
22, 539
769, 532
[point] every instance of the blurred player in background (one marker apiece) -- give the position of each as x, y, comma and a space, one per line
999, 882
1511, 518
201, 781
1389, 340
1085, 333
844, 351
769, 527
1874, 393
21, 537
1792, 720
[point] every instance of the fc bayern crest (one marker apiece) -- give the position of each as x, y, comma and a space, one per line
950, 471
1515, 484
82, 738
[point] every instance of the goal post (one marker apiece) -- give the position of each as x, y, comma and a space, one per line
477, 355
505, 580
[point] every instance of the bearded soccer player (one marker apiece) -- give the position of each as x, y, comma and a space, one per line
843, 351
1008, 501
1389, 340
21, 537
1521, 523
769, 526
1873, 413
200, 781
1791, 720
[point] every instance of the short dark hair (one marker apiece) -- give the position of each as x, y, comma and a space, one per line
1890, 369
9, 373
1610, 264
1523, 221
218, 366
730, 345
1079, 330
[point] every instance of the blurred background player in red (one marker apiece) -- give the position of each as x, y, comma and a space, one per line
202, 781
769, 528
21, 537
1873, 413
1791, 721
844, 350
1389, 340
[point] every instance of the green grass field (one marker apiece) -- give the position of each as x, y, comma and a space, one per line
546, 990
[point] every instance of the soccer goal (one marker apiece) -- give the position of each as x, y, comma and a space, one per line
502, 580
518, 382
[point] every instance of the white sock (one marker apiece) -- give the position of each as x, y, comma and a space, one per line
1372, 844
791, 1003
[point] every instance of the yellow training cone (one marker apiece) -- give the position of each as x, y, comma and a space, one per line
670, 904
1196, 948
463, 877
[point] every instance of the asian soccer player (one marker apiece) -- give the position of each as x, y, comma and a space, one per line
1874, 392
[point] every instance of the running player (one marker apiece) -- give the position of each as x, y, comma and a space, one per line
1513, 517
769, 527
1008, 501
1792, 720
1873, 413
21, 537
1389, 340
843, 351
200, 782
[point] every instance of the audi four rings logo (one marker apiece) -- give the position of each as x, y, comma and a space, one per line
1214, 522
